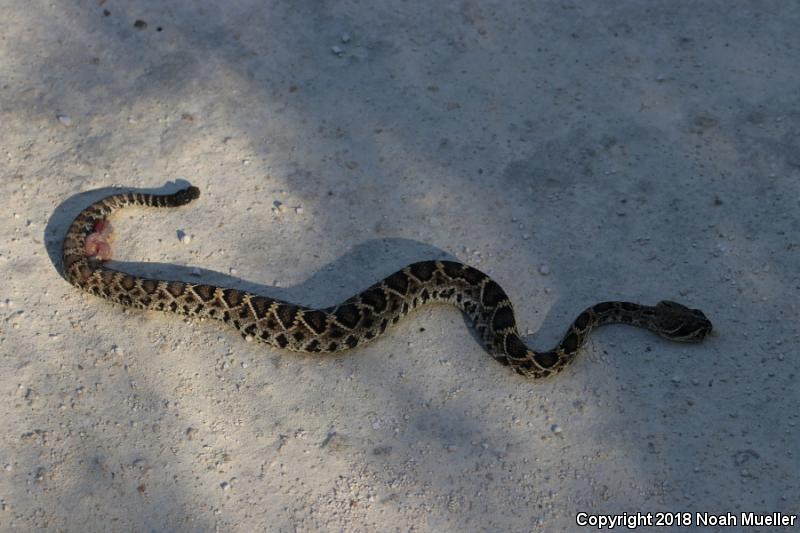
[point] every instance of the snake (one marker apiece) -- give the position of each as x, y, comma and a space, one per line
359, 319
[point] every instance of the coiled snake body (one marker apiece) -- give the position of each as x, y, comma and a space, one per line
361, 318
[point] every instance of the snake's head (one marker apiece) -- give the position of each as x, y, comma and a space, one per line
679, 323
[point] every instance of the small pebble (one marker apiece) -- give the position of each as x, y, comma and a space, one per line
544, 270
298, 210
225, 485
526, 236
248, 338
337, 50
555, 428
65, 120
232, 271
185, 238
195, 271
278, 207
345, 38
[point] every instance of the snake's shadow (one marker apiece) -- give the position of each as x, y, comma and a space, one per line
357, 269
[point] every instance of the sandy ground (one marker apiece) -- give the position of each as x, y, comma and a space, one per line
638, 150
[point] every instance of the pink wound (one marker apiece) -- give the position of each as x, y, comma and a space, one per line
97, 247
103, 227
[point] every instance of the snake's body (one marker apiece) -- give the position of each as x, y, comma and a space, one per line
361, 318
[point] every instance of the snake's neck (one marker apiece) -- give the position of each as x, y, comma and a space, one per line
601, 314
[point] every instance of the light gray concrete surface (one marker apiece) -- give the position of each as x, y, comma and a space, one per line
636, 150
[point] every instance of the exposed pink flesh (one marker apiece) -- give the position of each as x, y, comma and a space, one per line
103, 227
96, 246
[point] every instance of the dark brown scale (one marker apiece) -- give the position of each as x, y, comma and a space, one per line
175, 288
286, 314
281, 340
397, 282
232, 297
316, 320
347, 315
423, 271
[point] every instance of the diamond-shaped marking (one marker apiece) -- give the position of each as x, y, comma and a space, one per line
454, 270
570, 343
286, 314
204, 292
374, 298
397, 282
503, 318
127, 282
232, 297
281, 340
492, 294
582, 321
546, 359
107, 276
473, 276
149, 285
316, 320
175, 288
423, 271
347, 315
515, 347
260, 306
603, 307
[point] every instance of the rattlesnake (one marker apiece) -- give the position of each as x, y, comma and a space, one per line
361, 318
